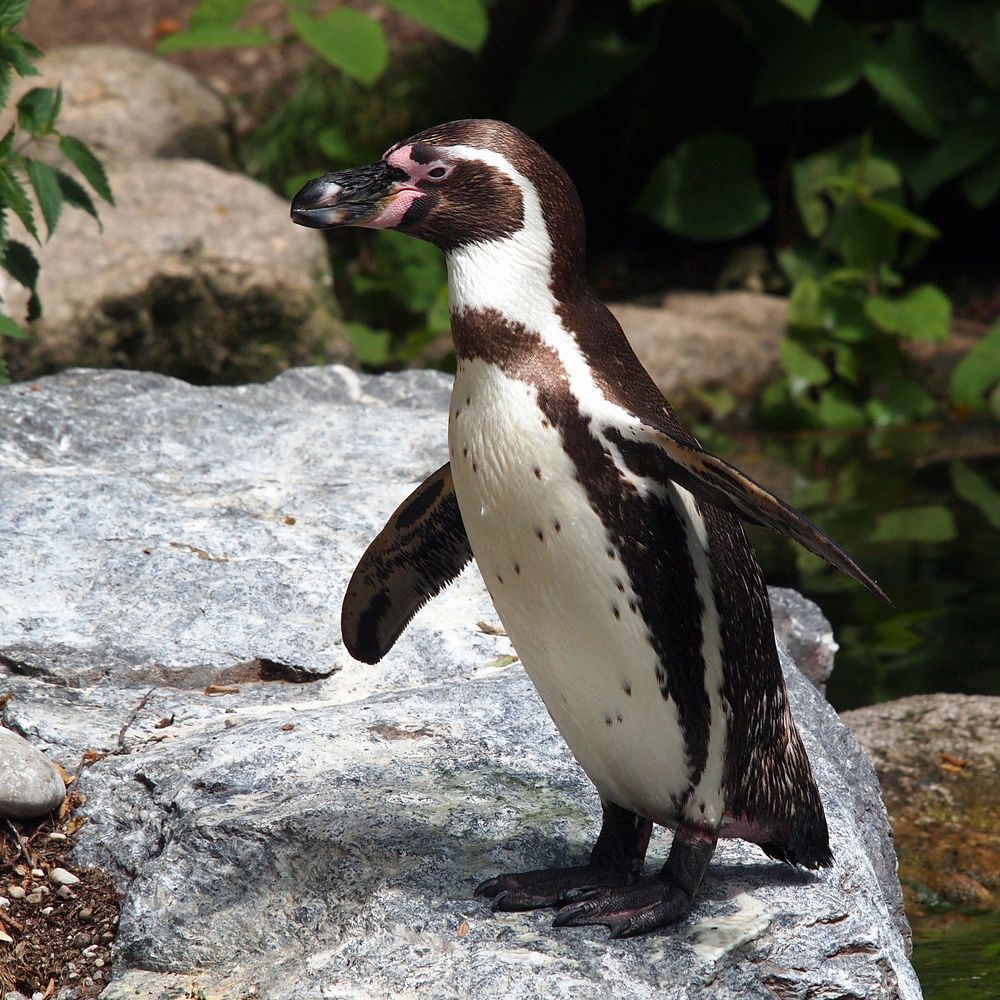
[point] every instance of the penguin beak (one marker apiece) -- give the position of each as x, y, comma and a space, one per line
361, 196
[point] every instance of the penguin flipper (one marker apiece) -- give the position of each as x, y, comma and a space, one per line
421, 549
716, 481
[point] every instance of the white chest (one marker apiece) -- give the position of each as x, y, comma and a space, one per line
562, 592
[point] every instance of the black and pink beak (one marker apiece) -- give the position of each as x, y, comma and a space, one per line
375, 196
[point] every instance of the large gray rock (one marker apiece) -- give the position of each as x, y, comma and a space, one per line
322, 839
129, 105
195, 272
30, 784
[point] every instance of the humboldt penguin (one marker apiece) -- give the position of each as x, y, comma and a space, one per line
610, 541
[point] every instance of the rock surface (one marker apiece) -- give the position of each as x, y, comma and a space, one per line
30, 784
196, 272
182, 553
695, 341
129, 105
806, 634
938, 758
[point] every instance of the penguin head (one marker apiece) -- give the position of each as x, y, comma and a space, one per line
462, 183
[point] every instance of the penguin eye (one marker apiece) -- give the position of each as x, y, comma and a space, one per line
437, 173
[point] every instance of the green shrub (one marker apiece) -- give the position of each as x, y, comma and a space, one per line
37, 116
828, 129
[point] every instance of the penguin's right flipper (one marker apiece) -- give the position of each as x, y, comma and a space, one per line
715, 480
422, 548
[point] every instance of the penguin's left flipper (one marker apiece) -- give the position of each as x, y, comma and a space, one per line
421, 549
716, 481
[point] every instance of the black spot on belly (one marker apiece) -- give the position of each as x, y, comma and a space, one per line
500, 578
539, 534
611, 553
517, 568
607, 720
615, 612
620, 719
545, 423
557, 526
633, 607
474, 467
468, 400
627, 688
620, 586
465, 452
538, 473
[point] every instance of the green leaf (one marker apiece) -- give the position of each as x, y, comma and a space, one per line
218, 12
805, 304
901, 401
910, 74
8, 328
707, 189
811, 178
977, 490
48, 192
810, 61
371, 346
7, 143
214, 36
346, 39
924, 314
806, 9
978, 371
803, 367
837, 411
961, 148
19, 53
37, 110
982, 185
932, 523
638, 6
461, 22
11, 12
13, 195
75, 194
902, 219
4, 83
20, 263
552, 86
974, 28
89, 165
4, 370
863, 239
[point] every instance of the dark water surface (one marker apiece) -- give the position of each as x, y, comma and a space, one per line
920, 510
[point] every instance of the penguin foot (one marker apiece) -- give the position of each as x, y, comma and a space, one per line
626, 910
548, 886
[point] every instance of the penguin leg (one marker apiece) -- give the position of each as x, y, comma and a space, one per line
616, 860
651, 902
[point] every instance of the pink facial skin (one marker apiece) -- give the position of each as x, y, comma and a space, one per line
398, 205
395, 208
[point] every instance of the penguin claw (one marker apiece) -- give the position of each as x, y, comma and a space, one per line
548, 887
580, 894
629, 910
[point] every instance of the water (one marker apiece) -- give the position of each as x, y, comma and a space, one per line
920, 510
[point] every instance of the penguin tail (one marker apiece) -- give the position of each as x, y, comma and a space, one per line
807, 843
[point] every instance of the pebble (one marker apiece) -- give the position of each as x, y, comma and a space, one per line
6, 938
34, 897
38, 873
98, 964
64, 892
45, 911
16, 892
56, 835
62, 877
21, 870
32, 785
87, 913
4, 903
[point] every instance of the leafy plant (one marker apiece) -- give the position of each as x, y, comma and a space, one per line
37, 115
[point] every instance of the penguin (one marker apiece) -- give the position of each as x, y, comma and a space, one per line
610, 541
